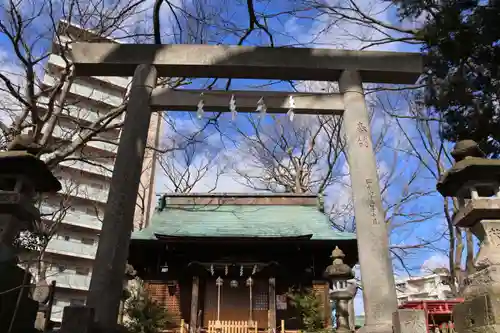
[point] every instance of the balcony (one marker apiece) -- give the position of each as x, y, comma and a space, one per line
69, 280
85, 192
79, 112
105, 170
115, 81
81, 90
71, 248
77, 219
72, 134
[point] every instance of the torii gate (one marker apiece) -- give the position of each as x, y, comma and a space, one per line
147, 62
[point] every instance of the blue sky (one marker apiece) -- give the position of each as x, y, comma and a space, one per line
290, 30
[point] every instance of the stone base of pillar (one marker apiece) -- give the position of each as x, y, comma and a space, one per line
379, 328
117, 329
478, 314
409, 321
485, 281
80, 319
77, 319
481, 309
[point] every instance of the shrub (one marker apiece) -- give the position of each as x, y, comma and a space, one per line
143, 314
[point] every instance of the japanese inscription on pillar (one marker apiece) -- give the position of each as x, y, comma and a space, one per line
371, 201
363, 135
413, 324
494, 236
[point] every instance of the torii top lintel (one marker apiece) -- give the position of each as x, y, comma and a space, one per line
245, 62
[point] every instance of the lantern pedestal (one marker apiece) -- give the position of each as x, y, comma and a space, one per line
475, 182
22, 176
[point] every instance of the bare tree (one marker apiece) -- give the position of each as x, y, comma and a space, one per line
422, 144
188, 157
294, 157
40, 98
366, 23
33, 244
306, 155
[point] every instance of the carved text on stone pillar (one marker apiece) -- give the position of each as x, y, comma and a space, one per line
469, 318
414, 324
371, 200
494, 236
363, 135
377, 310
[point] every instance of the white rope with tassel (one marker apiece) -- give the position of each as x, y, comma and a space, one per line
291, 107
232, 108
261, 107
200, 105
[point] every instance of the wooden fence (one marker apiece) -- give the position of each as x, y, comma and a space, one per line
231, 326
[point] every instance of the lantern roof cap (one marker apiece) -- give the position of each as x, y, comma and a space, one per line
470, 167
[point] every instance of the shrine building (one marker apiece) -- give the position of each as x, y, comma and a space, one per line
233, 257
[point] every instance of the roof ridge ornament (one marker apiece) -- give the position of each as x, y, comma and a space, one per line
337, 254
162, 203
321, 202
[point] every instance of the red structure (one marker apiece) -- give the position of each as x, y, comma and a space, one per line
439, 313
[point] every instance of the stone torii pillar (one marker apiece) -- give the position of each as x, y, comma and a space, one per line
107, 275
379, 290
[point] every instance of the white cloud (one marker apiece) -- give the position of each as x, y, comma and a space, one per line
217, 178
435, 261
327, 30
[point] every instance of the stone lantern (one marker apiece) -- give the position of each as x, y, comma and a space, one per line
22, 177
343, 290
475, 181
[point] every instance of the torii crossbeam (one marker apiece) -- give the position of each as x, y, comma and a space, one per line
165, 99
349, 68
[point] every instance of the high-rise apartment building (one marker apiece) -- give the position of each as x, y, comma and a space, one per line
86, 177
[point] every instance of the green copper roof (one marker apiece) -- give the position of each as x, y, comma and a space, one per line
259, 221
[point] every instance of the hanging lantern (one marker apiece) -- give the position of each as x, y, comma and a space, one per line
219, 282
233, 284
249, 282
164, 268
